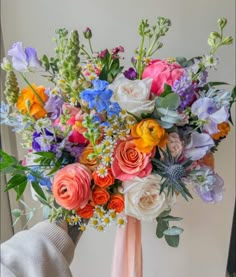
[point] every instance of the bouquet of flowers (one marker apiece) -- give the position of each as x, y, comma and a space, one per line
107, 143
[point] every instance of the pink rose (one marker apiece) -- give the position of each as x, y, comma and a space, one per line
129, 162
71, 186
162, 73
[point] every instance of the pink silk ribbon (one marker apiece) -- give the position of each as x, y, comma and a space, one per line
127, 259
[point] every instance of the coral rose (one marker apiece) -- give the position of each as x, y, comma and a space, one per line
105, 181
86, 212
29, 102
83, 159
100, 196
71, 186
162, 73
129, 162
116, 203
148, 134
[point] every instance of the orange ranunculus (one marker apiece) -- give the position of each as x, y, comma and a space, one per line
224, 129
104, 182
29, 102
83, 159
86, 212
148, 134
208, 160
100, 196
116, 203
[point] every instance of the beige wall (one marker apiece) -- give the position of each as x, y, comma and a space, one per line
204, 243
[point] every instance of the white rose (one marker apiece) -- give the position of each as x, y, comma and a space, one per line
133, 95
143, 199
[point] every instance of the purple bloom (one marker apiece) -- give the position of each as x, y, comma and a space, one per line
205, 109
23, 59
54, 106
42, 142
208, 185
131, 74
199, 145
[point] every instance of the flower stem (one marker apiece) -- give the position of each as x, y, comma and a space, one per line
34, 91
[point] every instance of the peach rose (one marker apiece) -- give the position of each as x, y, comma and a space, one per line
116, 203
104, 182
83, 159
100, 196
71, 186
86, 212
29, 102
129, 162
162, 72
148, 134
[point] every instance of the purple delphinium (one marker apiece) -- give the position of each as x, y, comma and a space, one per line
185, 88
23, 59
54, 106
131, 74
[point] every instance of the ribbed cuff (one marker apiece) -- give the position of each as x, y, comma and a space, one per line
58, 237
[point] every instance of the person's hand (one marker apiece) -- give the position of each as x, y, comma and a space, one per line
73, 230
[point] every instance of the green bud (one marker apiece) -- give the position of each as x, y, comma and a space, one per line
222, 22
227, 41
11, 88
214, 35
211, 42
87, 33
27, 104
6, 65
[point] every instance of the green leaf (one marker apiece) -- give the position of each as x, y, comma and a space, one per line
171, 101
16, 212
20, 189
161, 227
182, 61
172, 218
173, 231
49, 155
15, 181
167, 90
38, 190
172, 241
6, 160
43, 201
165, 213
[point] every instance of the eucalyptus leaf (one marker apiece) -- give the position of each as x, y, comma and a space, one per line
16, 212
164, 214
171, 218
161, 227
172, 241
173, 231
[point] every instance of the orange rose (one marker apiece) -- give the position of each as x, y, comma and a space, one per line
104, 182
83, 159
224, 129
86, 212
148, 134
116, 203
29, 102
100, 196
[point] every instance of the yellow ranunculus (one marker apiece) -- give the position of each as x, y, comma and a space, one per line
148, 134
28, 102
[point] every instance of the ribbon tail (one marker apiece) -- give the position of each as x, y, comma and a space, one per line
127, 259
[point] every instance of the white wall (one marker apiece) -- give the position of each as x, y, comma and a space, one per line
204, 244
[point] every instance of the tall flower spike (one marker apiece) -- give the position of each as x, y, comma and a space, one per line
173, 170
11, 88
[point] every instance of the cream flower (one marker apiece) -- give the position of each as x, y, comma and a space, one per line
143, 199
133, 95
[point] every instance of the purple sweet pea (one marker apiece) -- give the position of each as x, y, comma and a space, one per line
54, 106
205, 109
199, 145
23, 59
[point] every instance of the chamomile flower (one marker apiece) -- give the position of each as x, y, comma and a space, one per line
100, 228
102, 170
121, 221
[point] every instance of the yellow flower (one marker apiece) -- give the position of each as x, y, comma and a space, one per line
148, 134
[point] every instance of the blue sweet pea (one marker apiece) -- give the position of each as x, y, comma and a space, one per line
99, 97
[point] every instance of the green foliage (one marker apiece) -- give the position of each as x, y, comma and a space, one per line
171, 234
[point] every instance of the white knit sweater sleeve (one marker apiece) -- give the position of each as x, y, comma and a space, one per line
45, 250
